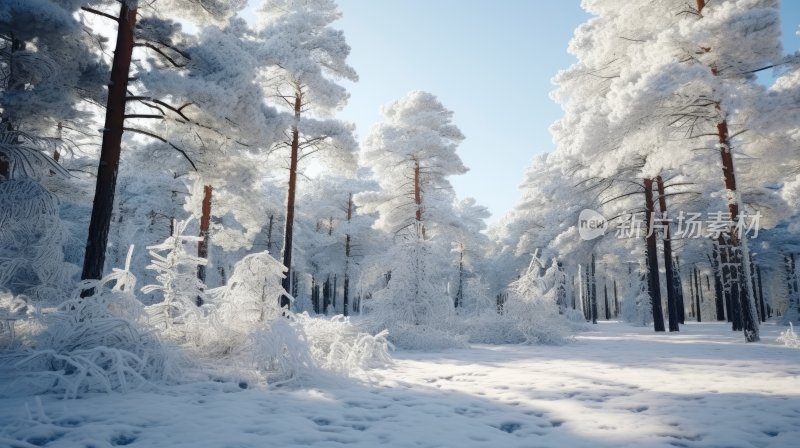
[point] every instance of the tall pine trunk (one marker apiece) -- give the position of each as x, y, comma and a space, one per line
108, 166
290, 199
205, 224
739, 255
653, 283
202, 245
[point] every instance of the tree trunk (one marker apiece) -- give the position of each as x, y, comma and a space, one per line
793, 308
679, 291
418, 196
719, 298
581, 289
202, 245
672, 299
105, 187
739, 252
754, 288
593, 292
326, 295
692, 291
698, 295
205, 224
460, 291
347, 242
334, 292
653, 283
761, 295
13, 83
269, 233
731, 296
616, 300
732, 287
346, 295
56, 152
314, 295
605, 299
290, 198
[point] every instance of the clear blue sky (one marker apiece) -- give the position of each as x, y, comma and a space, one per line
490, 62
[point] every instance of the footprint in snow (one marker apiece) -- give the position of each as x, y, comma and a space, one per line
509, 427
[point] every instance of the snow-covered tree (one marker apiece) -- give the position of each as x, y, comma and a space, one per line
177, 279
309, 58
412, 152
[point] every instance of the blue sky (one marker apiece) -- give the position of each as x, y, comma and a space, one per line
491, 62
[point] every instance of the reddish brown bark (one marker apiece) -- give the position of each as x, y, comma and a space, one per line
205, 224
738, 284
107, 169
290, 198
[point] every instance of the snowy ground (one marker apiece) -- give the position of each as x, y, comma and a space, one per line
616, 386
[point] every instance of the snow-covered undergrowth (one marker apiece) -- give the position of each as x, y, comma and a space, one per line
110, 341
789, 338
339, 346
98, 343
31, 242
419, 316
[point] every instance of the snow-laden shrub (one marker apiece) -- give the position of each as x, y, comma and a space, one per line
636, 305
533, 307
246, 326
789, 338
489, 327
98, 343
575, 316
178, 283
339, 346
414, 305
31, 240
248, 302
279, 352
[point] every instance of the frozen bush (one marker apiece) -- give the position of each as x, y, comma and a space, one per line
533, 308
178, 283
98, 343
414, 306
339, 346
636, 307
31, 240
789, 338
